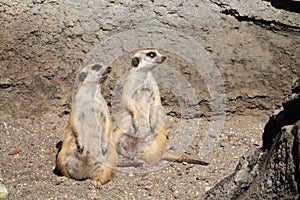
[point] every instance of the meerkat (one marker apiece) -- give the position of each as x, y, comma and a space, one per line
88, 150
140, 134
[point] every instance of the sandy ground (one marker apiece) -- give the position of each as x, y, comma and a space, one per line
28, 174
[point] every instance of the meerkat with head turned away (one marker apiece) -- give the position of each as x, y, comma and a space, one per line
88, 150
140, 134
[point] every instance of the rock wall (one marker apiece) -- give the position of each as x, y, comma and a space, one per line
44, 42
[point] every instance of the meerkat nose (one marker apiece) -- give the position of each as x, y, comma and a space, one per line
108, 69
163, 58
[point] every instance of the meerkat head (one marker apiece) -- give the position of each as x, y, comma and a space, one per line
93, 74
147, 58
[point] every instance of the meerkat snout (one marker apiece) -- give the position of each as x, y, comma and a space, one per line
105, 74
147, 58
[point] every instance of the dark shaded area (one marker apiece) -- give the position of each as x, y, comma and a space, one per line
271, 172
269, 24
58, 146
288, 116
289, 5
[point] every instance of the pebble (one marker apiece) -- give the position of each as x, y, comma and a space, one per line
207, 188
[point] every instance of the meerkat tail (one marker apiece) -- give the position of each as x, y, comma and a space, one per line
130, 164
180, 159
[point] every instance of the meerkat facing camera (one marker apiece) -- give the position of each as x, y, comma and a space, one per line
140, 134
88, 150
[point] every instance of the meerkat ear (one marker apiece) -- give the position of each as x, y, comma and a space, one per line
82, 76
135, 61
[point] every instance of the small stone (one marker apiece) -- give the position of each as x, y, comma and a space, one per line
207, 188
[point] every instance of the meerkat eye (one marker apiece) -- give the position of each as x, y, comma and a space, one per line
151, 54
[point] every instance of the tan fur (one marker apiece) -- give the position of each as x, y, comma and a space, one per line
141, 134
88, 149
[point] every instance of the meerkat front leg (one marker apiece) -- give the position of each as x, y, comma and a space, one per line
118, 132
79, 145
156, 113
134, 112
155, 122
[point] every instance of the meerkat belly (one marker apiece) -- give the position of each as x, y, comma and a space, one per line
133, 142
144, 98
132, 146
91, 128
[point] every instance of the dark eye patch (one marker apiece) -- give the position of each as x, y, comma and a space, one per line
82, 76
151, 54
96, 67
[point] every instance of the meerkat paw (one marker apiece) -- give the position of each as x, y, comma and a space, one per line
101, 180
102, 176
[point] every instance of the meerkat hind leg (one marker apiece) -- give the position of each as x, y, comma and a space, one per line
135, 114
153, 153
180, 159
